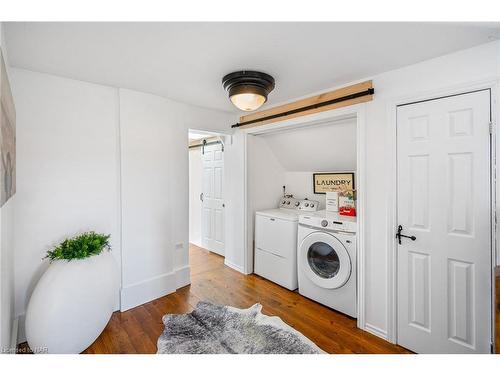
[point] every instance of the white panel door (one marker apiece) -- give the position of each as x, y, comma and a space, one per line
212, 216
444, 275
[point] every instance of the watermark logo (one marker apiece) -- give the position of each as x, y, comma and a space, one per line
24, 350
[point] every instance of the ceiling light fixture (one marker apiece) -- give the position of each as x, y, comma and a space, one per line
248, 89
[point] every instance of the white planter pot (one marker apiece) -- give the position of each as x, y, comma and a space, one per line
72, 303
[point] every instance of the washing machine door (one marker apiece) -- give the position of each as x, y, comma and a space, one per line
324, 260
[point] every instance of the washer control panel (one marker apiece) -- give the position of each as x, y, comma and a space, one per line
299, 204
329, 221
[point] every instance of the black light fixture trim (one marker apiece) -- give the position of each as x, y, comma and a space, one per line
248, 82
370, 91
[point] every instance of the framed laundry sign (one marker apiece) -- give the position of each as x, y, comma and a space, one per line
323, 182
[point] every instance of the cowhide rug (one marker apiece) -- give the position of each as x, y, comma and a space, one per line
218, 329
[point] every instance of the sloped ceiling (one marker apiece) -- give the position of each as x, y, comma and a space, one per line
322, 148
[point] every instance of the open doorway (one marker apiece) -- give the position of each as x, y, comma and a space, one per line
206, 191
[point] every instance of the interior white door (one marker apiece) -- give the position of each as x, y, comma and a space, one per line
213, 199
444, 275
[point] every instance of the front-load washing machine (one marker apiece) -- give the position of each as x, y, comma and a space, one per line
326, 260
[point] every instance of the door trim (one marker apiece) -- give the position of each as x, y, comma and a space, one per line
391, 136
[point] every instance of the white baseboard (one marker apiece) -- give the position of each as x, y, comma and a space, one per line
376, 331
136, 294
234, 266
14, 335
182, 276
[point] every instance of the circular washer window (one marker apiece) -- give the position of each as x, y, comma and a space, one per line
323, 260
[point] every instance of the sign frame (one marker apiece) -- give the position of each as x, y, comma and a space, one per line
334, 176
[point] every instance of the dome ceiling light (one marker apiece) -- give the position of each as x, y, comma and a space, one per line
248, 89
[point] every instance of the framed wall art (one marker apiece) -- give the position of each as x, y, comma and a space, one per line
7, 137
324, 182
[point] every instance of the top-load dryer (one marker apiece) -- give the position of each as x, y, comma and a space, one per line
276, 241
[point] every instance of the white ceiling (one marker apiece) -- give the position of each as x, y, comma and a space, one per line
186, 61
195, 136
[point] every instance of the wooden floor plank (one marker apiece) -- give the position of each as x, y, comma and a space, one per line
137, 330
497, 310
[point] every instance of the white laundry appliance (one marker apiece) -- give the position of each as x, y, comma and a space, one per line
326, 257
276, 241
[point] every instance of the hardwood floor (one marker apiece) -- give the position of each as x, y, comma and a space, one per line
137, 330
497, 310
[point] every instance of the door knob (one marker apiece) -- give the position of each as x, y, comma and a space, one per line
399, 235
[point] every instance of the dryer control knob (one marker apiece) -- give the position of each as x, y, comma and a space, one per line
324, 223
297, 204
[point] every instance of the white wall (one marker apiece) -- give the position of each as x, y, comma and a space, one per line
266, 177
7, 282
147, 226
67, 169
155, 193
111, 160
195, 189
424, 79
235, 179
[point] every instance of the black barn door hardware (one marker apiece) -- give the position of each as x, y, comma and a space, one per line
207, 144
399, 235
203, 147
370, 91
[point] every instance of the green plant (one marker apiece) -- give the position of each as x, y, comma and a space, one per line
79, 247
